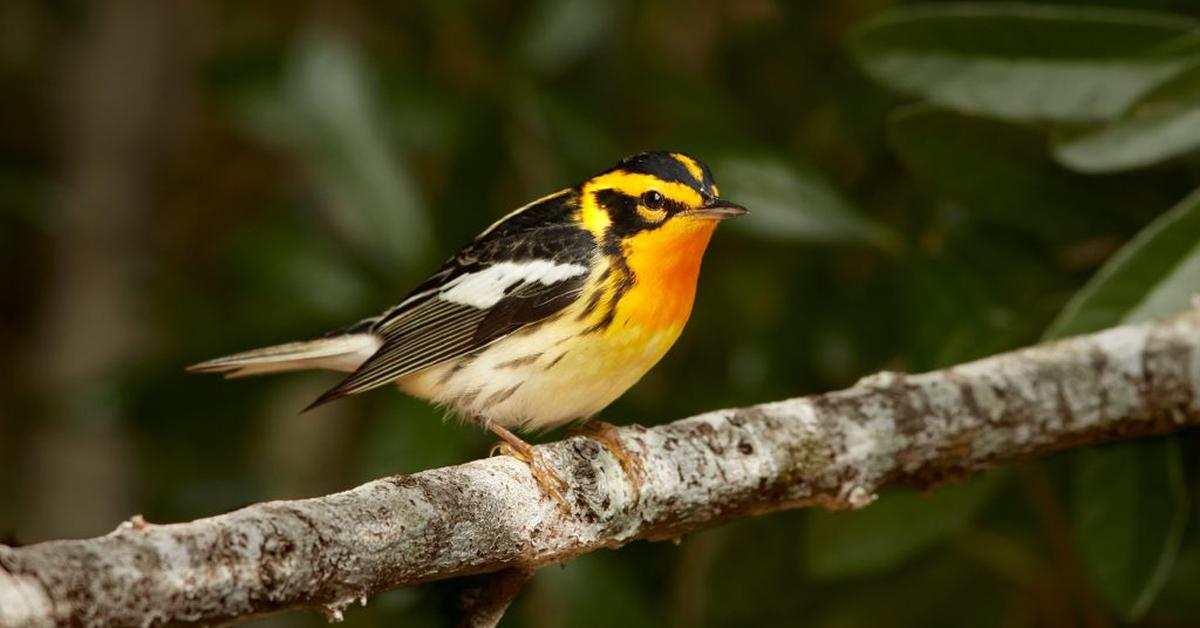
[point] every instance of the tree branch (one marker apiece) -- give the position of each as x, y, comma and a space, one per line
833, 450
484, 607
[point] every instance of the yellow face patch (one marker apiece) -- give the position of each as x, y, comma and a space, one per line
651, 215
596, 219
635, 184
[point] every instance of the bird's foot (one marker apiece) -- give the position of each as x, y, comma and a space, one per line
549, 481
607, 434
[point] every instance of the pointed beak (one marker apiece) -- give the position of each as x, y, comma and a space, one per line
719, 209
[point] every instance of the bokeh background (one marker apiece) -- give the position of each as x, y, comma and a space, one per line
931, 183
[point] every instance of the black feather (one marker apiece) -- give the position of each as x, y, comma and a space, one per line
426, 330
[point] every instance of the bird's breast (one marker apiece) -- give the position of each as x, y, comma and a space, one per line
664, 265
572, 366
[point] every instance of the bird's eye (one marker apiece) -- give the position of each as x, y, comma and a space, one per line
653, 199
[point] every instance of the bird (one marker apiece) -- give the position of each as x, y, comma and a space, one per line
545, 318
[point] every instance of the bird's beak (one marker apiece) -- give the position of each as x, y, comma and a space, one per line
719, 209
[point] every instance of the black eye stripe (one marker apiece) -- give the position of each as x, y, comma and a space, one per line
613, 198
616, 203
627, 219
653, 199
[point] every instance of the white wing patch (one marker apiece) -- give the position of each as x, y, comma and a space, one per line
485, 288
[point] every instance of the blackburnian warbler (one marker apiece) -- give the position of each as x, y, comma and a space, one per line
546, 317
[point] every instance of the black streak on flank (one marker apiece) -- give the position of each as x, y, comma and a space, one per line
623, 285
500, 396
521, 361
466, 400
453, 370
592, 304
623, 211
624, 280
598, 293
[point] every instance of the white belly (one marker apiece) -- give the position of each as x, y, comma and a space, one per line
545, 377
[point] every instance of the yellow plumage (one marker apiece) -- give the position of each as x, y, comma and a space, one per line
548, 316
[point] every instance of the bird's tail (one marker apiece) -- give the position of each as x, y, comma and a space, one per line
343, 352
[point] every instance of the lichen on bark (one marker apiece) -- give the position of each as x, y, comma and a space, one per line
834, 450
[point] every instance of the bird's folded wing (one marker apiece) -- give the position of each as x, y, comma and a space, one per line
468, 311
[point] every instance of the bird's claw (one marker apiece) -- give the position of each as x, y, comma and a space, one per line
545, 475
606, 435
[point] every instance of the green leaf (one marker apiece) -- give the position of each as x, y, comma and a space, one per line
791, 203
1023, 61
559, 32
887, 533
1154, 274
1000, 171
1161, 125
945, 591
1130, 503
1178, 596
1130, 511
329, 114
276, 261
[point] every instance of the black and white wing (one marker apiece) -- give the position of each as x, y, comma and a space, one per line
522, 270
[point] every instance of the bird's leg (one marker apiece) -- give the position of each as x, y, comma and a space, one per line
547, 479
606, 434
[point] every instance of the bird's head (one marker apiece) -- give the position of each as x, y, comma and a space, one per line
648, 191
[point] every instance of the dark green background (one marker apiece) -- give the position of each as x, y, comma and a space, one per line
930, 184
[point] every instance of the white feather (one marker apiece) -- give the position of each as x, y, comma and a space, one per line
335, 353
485, 288
573, 376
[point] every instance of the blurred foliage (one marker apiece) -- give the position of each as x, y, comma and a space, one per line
1024, 61
932, 183
1129, 512
884, 537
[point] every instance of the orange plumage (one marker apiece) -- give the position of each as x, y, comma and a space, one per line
666, 264
547, 316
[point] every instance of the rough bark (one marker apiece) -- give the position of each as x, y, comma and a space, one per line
833, 450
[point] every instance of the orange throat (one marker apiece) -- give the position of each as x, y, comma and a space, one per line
666, 264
